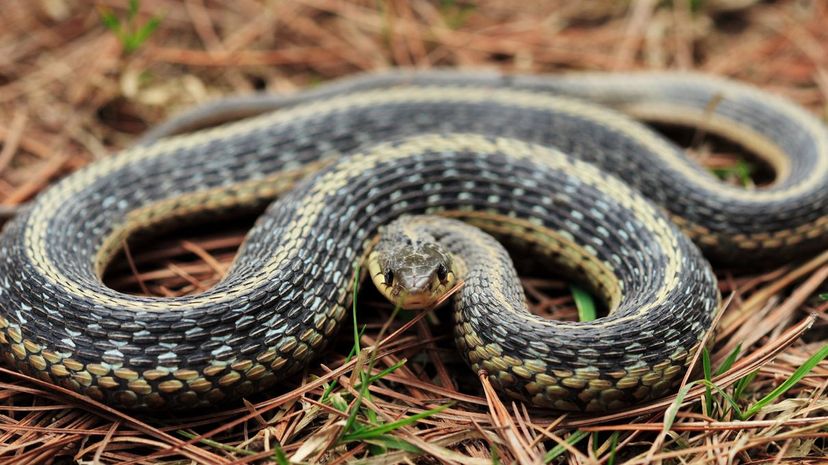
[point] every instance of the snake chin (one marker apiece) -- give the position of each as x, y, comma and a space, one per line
410, 268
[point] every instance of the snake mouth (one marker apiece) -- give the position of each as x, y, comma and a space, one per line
410, 267
416, 301
411, 290
424, 294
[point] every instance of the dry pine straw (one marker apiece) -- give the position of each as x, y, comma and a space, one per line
69, 95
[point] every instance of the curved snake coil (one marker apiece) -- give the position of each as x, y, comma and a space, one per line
520, 156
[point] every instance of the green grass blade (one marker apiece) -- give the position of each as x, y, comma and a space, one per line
369, 433
338, 403
743, 383
613, 447
216, 444
708, 376
128, 33
370, 414
143, 33
356, 348
350, 423
741, 171
797, 376
351, 427
672, 410
494, 454
133, 8
357, 334
584, 302
330, 387
279, 455
111, 21
391, 442
556, 451
387, 371
730, 400
729, 361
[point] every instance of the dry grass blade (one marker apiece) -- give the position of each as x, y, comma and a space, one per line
505, 426
735, 320
816, 422
740, 369
105, 442
751, 333
106, 411
669, 414
12, 139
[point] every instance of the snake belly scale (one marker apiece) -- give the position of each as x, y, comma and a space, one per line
515, 155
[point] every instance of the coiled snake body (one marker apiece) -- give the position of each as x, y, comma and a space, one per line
515, 155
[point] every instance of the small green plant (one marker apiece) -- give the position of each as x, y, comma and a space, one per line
362, 423
708, 376
584, 303
131, 35
743, 383
741, 171
739, 388
797, 375
494, 454
730, 360
456, 14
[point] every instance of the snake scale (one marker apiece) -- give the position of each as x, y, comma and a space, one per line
548, 161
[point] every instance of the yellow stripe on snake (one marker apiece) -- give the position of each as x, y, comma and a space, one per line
532, 159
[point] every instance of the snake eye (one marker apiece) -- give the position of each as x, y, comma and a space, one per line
389, 277
442, 272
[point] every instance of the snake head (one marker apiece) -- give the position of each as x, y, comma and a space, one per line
411, 270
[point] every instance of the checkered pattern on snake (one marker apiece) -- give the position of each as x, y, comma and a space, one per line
523, 157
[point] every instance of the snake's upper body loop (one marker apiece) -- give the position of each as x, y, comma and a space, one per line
515, 155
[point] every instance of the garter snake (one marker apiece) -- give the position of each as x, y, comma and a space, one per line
523, 157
